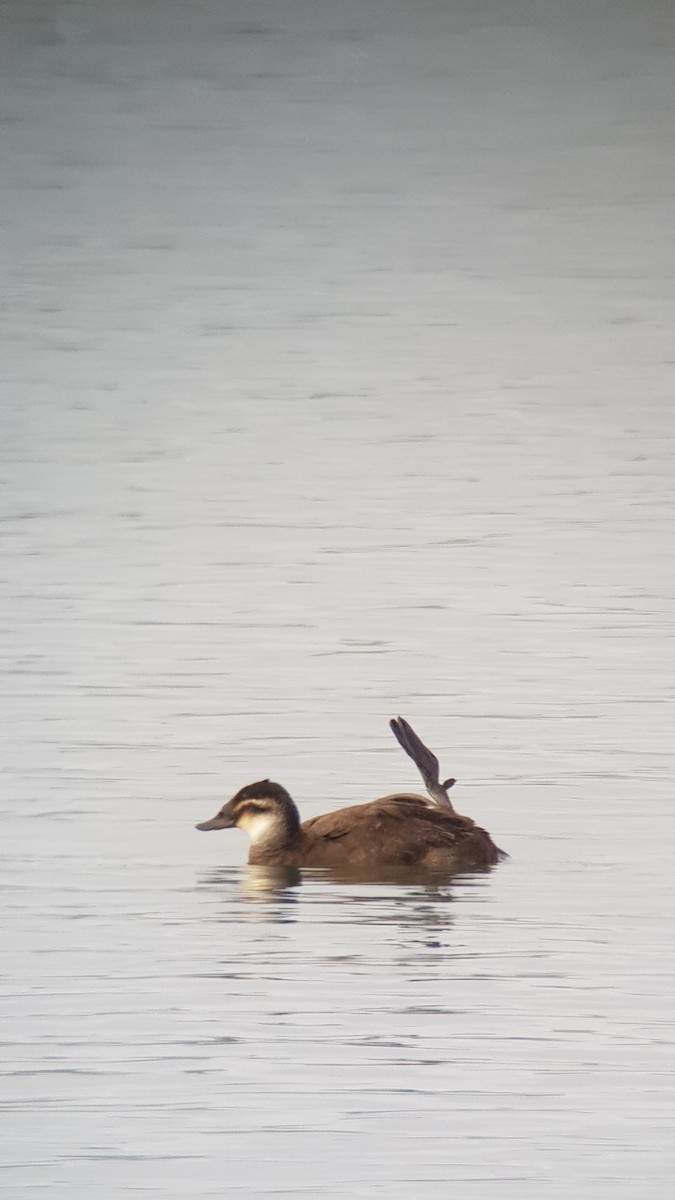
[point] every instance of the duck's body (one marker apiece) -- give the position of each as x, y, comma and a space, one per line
395, 832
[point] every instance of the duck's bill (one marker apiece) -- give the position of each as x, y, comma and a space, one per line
219, 822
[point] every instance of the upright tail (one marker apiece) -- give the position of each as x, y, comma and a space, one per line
424, 760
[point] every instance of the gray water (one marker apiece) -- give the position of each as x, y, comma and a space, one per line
337, 383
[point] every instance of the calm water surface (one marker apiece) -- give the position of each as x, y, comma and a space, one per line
337, 382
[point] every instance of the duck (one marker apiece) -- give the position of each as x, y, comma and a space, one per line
400, 831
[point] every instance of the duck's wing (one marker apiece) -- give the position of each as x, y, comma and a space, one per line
401, 829
340, 823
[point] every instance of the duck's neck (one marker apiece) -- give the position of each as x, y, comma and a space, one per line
273, 835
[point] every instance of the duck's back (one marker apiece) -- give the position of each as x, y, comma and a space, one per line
402, 830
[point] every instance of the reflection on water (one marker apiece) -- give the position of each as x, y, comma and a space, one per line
395, 897
319, 897
255, 884
260, 881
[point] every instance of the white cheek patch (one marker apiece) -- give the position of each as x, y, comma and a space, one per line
258, 826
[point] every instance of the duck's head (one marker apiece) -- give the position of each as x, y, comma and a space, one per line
263, 810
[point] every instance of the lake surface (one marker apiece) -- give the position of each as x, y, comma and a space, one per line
337, 383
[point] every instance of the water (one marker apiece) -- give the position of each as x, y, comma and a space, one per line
337, 383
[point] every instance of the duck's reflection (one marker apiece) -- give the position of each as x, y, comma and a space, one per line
263, 895
260, 882
272, 895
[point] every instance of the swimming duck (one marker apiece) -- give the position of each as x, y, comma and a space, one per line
403, 830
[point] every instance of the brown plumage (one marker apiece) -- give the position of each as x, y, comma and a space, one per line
397, 832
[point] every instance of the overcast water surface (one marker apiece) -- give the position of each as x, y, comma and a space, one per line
337, 383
